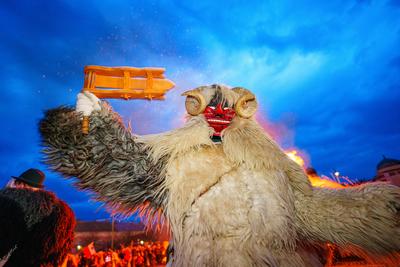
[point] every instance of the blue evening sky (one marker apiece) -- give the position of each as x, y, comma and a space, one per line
326, 74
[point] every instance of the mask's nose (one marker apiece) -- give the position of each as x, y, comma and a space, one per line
219, 110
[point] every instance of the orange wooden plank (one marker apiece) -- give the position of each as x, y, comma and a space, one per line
126, 82
135, 83
109, 82
119, 71
127, 94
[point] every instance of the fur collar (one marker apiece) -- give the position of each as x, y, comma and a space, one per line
244, 142
34, 204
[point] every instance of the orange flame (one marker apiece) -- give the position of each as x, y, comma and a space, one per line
292, 154
315, 180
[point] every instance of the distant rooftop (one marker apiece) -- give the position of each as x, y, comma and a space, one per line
387, 162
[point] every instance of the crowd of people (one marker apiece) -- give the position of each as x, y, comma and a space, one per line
134, 255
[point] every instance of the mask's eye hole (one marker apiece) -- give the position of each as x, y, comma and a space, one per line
225, 104
213, 102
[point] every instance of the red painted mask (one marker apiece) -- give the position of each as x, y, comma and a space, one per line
219, 117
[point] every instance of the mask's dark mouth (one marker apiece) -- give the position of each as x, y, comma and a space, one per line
218, 125
216, 139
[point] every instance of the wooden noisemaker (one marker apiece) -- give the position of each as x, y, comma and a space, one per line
124, 83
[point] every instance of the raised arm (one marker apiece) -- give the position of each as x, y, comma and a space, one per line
107, 161
366, 216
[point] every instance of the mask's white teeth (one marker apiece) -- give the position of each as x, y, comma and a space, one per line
218, 121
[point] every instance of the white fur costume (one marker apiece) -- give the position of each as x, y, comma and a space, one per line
242, 202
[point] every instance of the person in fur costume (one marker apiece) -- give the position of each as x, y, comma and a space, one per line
230, 195
36, 228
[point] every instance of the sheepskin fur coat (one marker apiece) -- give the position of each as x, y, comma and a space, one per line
36, 226
240, 202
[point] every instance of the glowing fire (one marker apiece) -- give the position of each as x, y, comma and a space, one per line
319, 182
315, 180
296, 158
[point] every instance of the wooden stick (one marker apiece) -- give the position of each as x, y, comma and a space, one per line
85, 125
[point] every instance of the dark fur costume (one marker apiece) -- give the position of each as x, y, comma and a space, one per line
126, 178
39, 225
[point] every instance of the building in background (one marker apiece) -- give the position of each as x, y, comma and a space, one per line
388, 170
